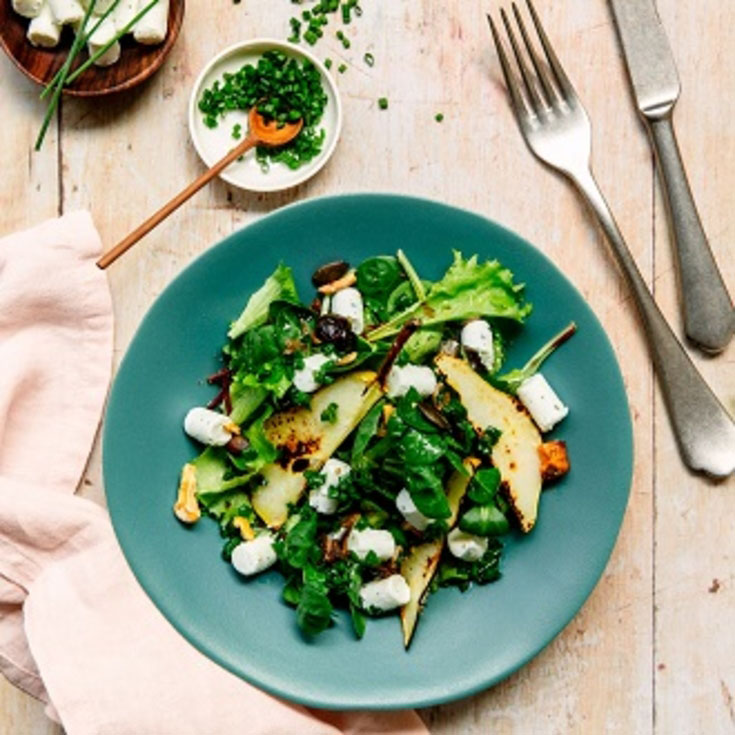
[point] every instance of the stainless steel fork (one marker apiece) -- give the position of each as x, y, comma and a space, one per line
557, 129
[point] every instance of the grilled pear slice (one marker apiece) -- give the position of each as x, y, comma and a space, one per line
306, 442
419, 567
516, 454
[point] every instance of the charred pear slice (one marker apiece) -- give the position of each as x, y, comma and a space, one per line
516, 454
307, 442
419, 567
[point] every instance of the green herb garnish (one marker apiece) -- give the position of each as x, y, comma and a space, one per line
282, 89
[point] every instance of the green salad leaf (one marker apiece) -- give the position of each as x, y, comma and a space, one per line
468, 290
278, 286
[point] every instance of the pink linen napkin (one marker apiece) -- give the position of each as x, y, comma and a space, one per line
76, 630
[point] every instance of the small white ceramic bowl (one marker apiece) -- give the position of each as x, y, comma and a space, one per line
212, 144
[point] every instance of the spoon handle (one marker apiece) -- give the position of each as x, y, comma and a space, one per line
155, 219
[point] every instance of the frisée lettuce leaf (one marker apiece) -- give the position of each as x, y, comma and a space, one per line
279, 286
469, 289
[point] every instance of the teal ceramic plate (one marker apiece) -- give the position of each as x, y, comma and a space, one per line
464, 642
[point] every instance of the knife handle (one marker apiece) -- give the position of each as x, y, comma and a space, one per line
709, 318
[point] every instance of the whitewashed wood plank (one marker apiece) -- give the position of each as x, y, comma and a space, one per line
695, 526
28, 195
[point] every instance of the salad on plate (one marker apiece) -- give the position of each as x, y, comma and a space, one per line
370, 443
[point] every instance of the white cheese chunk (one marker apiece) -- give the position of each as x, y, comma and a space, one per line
66, 12
153, 26
319, 499
545, 407
348, 303
305, 378
252, 557
208, 427
407, 508
466, 546
28, 8
123, 13
102, 36
43, 30
363, 542
100, 7
385, 594
478, 337
402, 379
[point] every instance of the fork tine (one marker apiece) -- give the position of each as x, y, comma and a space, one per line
541, 70
565, 86
521, 104
525, 71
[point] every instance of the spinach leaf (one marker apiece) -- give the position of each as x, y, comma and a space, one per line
314, 610
484, 485
365, 432
377, 277
427, 492
484, 520
417, 448
300, 546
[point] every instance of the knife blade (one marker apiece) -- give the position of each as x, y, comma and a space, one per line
648, 56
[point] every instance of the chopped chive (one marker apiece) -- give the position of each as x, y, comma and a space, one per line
439, 116
237, 131
383, 103
342, 68
328, 63
369, 59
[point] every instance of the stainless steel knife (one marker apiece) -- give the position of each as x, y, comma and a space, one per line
709, 317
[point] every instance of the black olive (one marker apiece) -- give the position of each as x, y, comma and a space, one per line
329, 272
335, 330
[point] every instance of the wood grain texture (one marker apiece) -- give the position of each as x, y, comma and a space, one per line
137, 61
122, 160
695, 524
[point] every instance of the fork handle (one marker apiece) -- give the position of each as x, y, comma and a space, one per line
704, 430
709, 318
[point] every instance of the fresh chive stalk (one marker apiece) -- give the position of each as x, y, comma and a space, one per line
64, 71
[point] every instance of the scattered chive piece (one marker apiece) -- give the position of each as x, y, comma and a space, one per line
369, 59
383, 103
237, 131
342, 68
340, 35
310, 37
439, 116
329, 414
328, 63
346, 42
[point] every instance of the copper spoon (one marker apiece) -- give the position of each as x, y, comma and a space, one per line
261, 132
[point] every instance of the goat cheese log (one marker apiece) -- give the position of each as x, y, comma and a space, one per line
66, 12
102, 36
123, 13
28, 8
153, 26
43, 30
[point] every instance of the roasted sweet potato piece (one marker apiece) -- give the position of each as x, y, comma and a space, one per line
554, 460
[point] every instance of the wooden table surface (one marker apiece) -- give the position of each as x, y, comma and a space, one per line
653, 649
